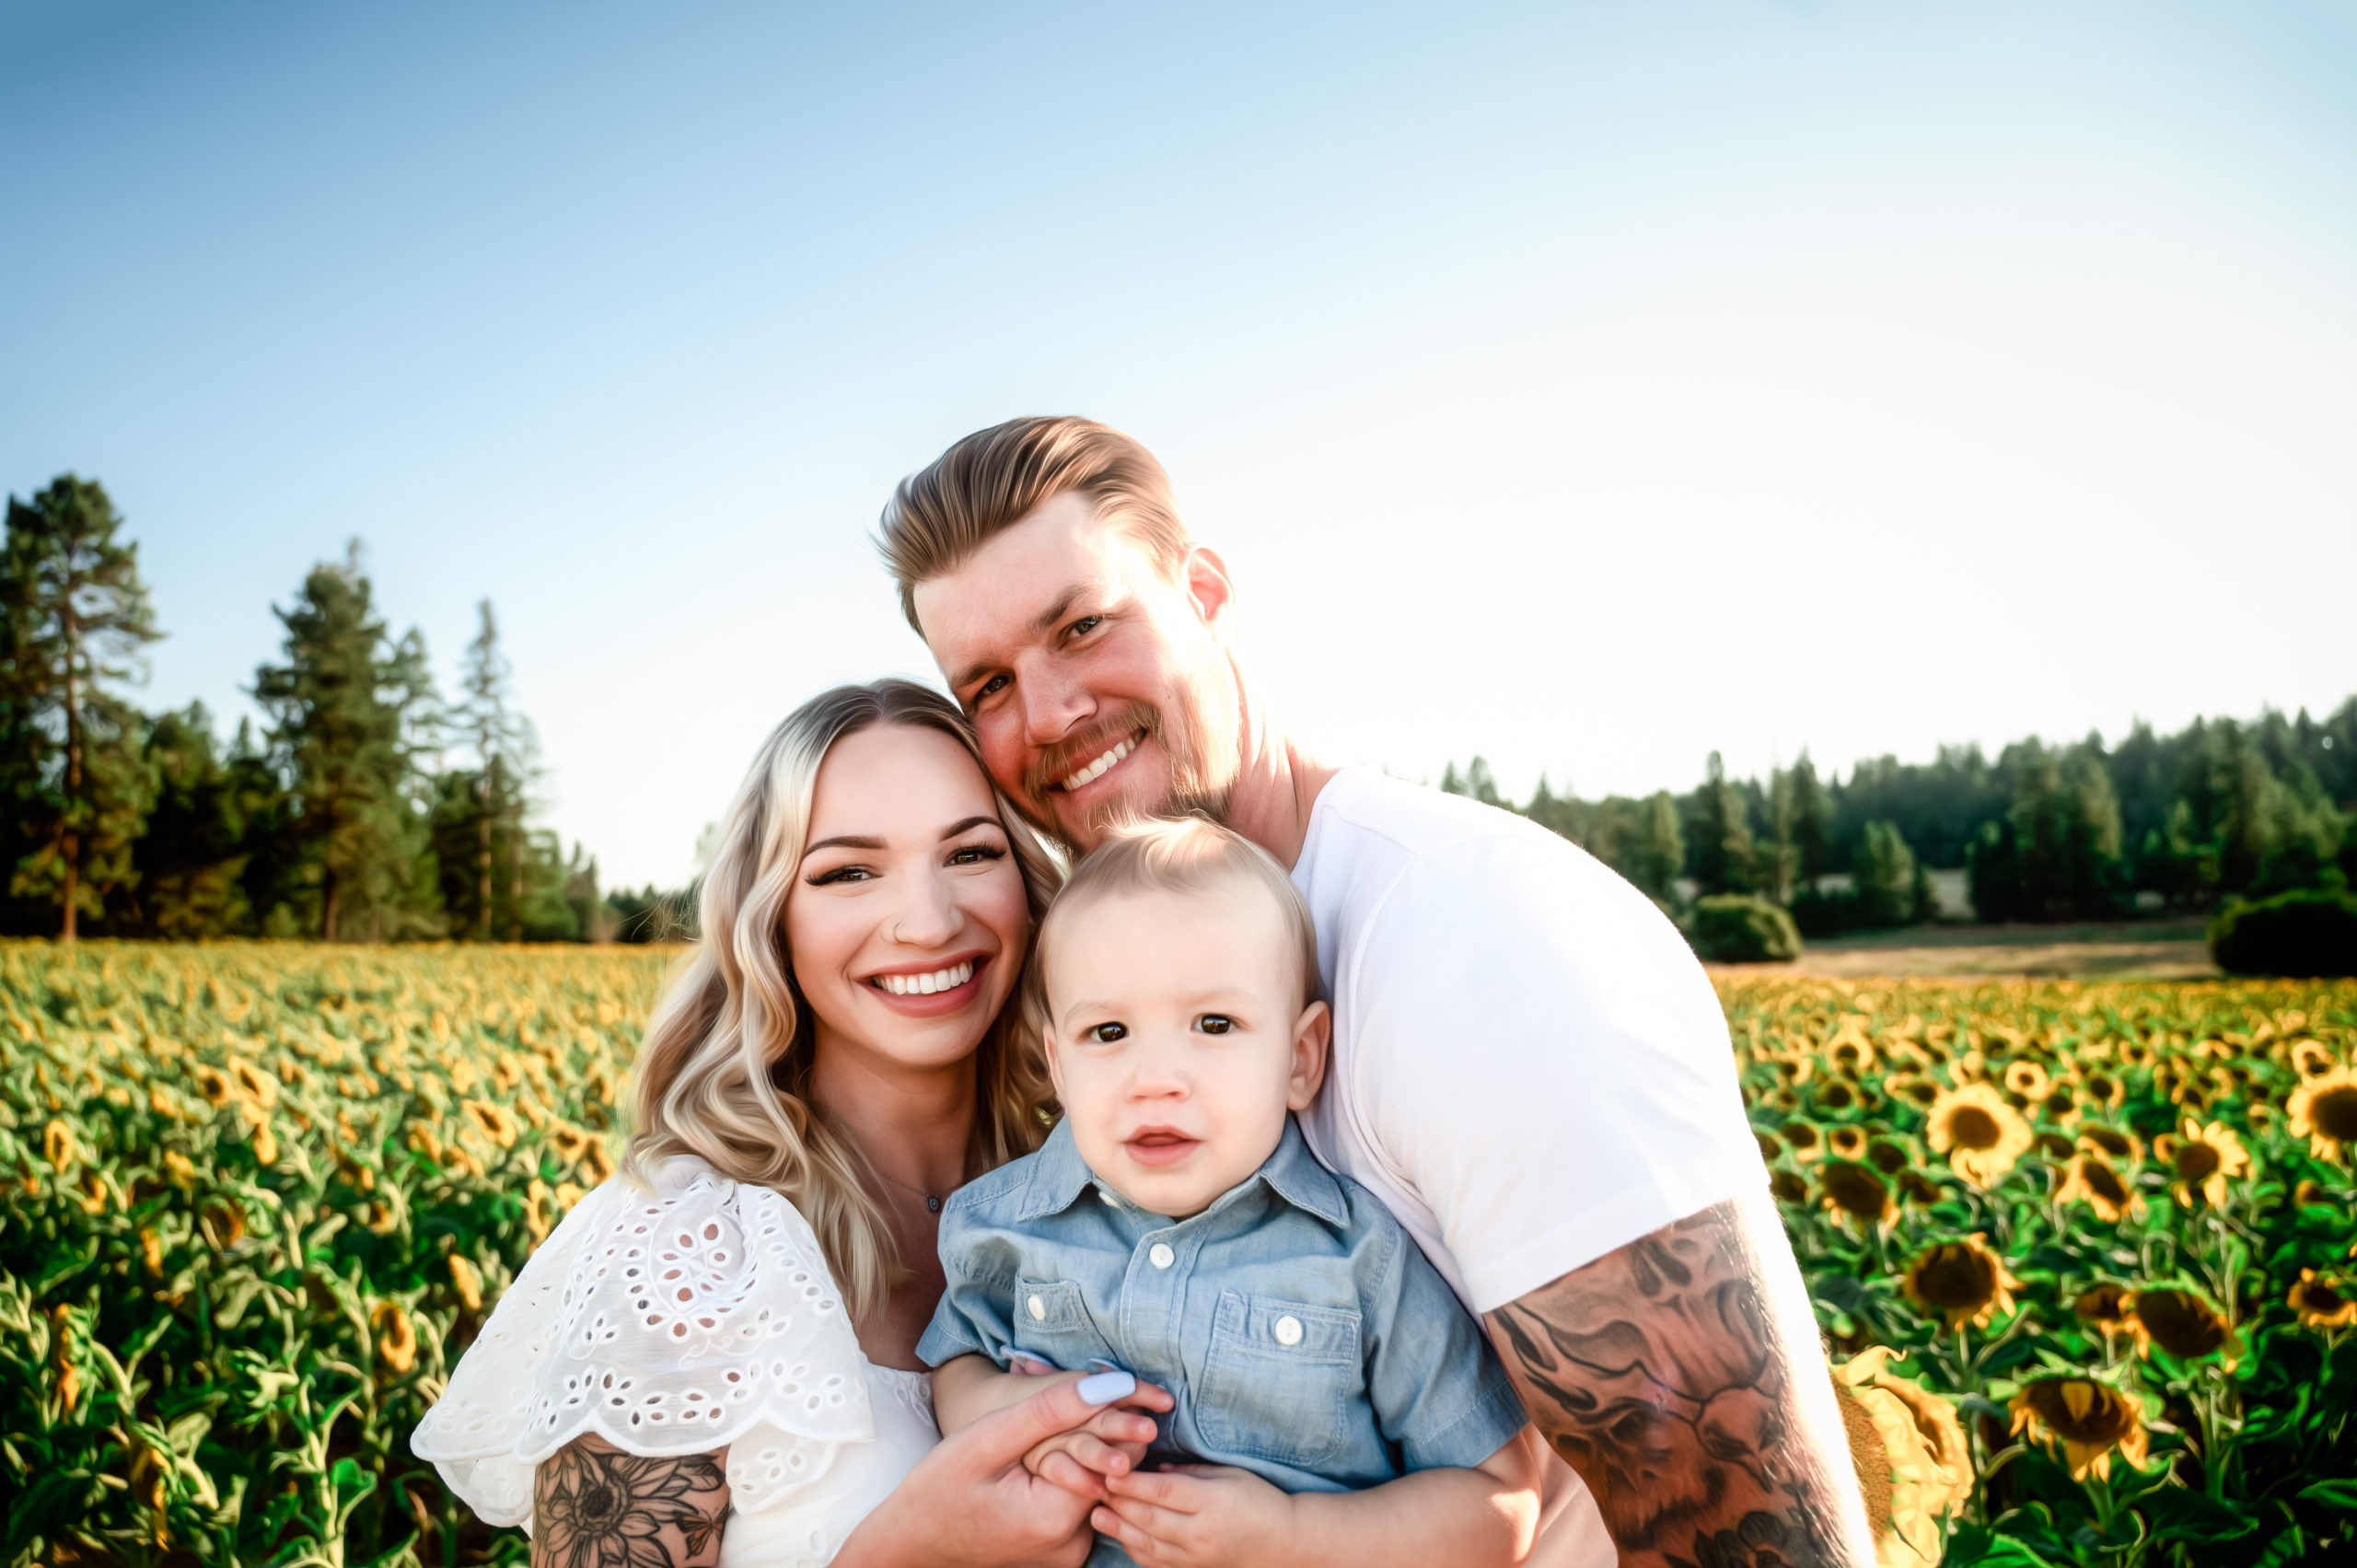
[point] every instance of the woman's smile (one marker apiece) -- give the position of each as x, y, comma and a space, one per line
931, 989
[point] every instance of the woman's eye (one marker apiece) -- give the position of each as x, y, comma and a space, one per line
975, 855
843, 873
1214, 1023
1105, 1034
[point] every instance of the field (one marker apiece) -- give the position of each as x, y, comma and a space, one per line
2079, 1247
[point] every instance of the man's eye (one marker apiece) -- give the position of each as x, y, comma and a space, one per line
994, 684
1086, 625
1105, 1034
1214, 1023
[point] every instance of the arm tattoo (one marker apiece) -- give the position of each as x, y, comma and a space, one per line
1657, 1372
594, 1506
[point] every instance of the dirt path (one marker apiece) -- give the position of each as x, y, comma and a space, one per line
2177, 949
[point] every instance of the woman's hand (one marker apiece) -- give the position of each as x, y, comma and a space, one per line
1197, 1517
971, 1503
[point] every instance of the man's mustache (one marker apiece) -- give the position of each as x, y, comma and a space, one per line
1068, 757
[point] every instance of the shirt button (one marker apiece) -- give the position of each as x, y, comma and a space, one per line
1106, 1193
1161, 1254
1039, 1309
1288, 1331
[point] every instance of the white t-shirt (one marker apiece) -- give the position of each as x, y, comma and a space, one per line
1529, 1067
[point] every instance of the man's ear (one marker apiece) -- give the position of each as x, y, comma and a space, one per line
1309, 1038
1209, 588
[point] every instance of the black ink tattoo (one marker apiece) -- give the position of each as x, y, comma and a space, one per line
1656, 1373
597, 1507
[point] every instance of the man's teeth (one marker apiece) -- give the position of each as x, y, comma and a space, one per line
1089, 773
949, 978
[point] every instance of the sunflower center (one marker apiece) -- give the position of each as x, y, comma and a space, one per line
2105, 1183
2081, 1411
2320, 1297
1973, 1127
1958, 1277
2179, 1323
2334, 1113
2196, 1160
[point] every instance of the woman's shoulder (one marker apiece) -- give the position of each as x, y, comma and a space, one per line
669, 1315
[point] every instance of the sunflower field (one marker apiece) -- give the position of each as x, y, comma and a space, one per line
2083, 1252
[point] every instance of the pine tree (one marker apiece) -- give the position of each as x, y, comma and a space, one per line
1812, 823
1660, 859
1885, 877
77, 621
501, 781
192, 857
349, 710
1723, 859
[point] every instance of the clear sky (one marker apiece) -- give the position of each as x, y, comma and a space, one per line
1589, 386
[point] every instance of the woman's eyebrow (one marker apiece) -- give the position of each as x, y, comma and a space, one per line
957, 827
846, 841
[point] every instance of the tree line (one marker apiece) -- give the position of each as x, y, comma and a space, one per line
2158, 823
366, 805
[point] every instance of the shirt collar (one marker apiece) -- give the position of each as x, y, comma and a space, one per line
1058, 1176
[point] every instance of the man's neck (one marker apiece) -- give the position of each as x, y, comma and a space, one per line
1276, 787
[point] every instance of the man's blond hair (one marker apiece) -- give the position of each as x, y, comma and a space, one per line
995, 478
1185, 855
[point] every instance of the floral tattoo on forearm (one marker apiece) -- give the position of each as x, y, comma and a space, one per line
597, 1507
1654, 1371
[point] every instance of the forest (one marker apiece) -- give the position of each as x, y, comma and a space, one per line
2157, 824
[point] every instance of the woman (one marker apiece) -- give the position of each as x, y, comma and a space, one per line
713, 1359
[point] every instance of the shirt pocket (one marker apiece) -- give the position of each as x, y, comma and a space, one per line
1278, 1378
1052, 1322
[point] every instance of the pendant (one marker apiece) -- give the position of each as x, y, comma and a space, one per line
932, 1204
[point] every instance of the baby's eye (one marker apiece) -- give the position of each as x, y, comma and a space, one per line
1214, 1023
1105, 1034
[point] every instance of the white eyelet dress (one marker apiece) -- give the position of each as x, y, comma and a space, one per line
697, 1316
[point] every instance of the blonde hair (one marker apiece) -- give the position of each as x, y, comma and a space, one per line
1184, 855
725, 1070
995, 478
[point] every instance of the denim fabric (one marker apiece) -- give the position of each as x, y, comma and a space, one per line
1303, 1336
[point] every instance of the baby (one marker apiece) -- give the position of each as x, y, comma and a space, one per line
1333, 1400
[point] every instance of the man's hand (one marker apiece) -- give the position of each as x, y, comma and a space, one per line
1199, 1516
1683, 1378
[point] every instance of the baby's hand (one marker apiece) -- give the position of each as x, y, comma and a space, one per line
1197, 1517
1113, 1441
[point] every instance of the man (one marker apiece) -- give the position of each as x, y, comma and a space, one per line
1528, 1066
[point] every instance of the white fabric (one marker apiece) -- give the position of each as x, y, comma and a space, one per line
1528, 1068
697, 1316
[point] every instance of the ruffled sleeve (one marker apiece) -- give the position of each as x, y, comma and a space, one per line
677, 1320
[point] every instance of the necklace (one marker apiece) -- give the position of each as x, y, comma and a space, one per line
932, 1200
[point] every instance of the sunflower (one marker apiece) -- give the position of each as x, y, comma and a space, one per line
2135, 1053
2087, 1419
2104, 1091
2322, 1305
1910, 1453
1846, 1143
1769, 1147
2105, 1306
536, 1209
2311, 1057
2090, 1180
1919, 1187
1963, 1280
58, 1148
2182, 1323
2206, 1158
1982, 1135
466, 1282
1912, 1087
2309, 1191
255, 1084
1789, 1186
2324, 1112
1859, 1191
2061, 1104
2027, 1081
2113, 1142
397, 1346
1887, 1156
1804, 1140
495, 1121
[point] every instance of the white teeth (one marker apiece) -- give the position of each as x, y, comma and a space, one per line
949, 978
1089, 773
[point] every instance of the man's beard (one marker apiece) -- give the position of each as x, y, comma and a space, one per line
1197, 737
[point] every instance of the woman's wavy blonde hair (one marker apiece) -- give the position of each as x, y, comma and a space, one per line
725, 1070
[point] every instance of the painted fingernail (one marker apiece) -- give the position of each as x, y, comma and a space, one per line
1104, 1388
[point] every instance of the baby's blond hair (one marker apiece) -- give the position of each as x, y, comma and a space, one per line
1184, 855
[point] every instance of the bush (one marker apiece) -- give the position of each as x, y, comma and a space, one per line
2313, 932
1734, 928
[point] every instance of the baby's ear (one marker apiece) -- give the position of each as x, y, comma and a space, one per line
1310, 1033
1055, 1063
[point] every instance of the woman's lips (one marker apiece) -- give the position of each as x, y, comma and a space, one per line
1160, 1148
940, 1002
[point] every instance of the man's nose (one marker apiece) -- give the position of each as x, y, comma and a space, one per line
1052, 702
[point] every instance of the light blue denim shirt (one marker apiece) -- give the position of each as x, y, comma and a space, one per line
1303, 1336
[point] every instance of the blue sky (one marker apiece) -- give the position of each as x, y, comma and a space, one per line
1586, 385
